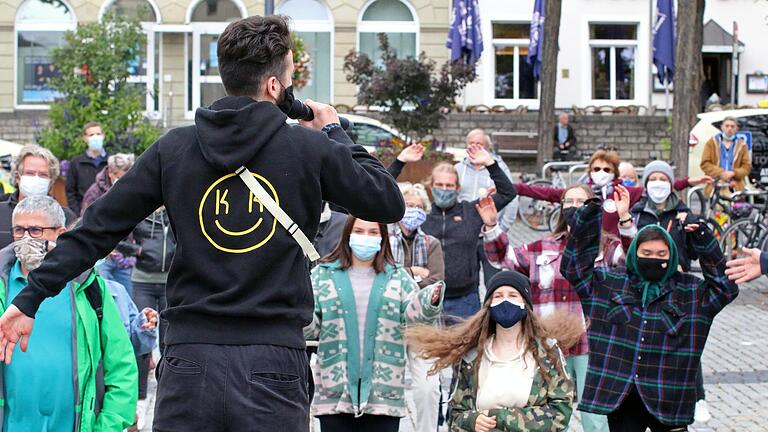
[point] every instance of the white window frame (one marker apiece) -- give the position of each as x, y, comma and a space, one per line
516, 100
388, 26
638, 73
148, 79
198, 29
317, 26
48, 27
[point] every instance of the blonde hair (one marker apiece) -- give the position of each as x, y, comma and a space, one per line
36, 151
417, 191
443, 167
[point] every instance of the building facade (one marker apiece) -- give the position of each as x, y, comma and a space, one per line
604, 59
605, 54
179, 66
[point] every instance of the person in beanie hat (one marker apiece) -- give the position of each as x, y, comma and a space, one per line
645, 318
659, 205
511, 373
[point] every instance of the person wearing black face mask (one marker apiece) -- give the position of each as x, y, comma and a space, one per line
645, 318
550, 291
510, 372
239, 295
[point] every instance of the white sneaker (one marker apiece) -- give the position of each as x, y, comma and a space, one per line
701, 413
141, 413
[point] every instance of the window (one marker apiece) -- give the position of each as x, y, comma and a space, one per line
613, 48
145, 75
313, 23
209, 18
513, 76
40, 27
397, 20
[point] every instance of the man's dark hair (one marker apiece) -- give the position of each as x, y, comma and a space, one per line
251, 50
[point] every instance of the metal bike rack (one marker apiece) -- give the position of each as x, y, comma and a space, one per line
573, 169
550, 165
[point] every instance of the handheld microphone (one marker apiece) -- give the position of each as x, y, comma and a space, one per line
299, 111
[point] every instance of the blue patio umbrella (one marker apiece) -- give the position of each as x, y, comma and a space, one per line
536, 43
465, 39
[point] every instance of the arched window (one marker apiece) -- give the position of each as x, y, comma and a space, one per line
397, 19
40, 27
144, 71
208, 19
313, 23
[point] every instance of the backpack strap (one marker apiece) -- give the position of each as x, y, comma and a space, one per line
93, 294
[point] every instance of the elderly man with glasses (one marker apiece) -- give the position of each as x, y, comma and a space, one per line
55, 384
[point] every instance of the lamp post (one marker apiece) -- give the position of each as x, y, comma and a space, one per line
269, 7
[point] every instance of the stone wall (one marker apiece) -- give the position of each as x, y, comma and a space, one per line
636, 138
22, 127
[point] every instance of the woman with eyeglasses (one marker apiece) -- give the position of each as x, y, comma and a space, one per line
603, 178
550, 291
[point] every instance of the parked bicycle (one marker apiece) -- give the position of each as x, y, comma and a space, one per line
536, 214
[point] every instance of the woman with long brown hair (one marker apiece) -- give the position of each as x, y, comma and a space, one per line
362, 303
540, 261
511, 374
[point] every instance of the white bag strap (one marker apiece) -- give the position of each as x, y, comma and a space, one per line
258, 191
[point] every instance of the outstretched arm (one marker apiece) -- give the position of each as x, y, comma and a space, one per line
578, 262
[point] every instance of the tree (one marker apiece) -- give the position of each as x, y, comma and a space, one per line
413, 97
687, 98
548, 78
94, 65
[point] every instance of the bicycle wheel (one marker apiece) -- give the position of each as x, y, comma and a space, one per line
535, 213
553, 218
717, 229
698, 203
741, 234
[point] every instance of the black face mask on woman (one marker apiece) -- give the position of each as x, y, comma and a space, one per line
652, 269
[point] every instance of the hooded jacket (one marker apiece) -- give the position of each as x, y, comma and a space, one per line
99, 187
157, 243
631, 342
238, 277
95, 344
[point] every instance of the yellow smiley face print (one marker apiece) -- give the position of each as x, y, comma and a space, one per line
232, 219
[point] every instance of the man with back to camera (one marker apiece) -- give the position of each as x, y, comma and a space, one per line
238, 290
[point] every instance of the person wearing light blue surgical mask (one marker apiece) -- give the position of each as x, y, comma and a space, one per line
84, 167
726, 157
360, 288
421, 255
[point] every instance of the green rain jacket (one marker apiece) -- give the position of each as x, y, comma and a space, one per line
106, 346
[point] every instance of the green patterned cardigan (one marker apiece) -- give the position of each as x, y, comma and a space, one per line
548, 409
341, 387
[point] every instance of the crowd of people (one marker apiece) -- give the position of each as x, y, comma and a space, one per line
423, 283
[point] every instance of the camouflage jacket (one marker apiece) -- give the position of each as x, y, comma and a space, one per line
549, 406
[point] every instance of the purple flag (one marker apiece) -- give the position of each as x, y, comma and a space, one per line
465, 39
664, 41
536, 44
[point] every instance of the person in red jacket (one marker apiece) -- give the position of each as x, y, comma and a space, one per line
603, 177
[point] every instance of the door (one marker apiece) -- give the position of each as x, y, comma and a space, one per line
206, 81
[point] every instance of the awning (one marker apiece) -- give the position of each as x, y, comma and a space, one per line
717, 39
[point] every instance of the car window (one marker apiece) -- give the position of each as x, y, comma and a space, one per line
365, 134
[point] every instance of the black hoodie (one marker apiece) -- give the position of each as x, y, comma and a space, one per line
237, 277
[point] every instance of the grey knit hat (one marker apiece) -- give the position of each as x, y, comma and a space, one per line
658, 166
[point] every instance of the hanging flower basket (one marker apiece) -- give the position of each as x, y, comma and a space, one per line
302, 62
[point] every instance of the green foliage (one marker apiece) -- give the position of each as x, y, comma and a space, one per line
94, 85
413, 96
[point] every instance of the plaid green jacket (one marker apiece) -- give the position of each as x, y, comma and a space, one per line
657, 348
549, 406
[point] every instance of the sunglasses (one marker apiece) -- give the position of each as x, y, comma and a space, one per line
598, 169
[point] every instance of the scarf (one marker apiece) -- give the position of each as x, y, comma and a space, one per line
419, 248
652, 289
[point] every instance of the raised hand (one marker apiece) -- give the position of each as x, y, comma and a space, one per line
622, 200
486, 208
742, 270
412, 153
478, 155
